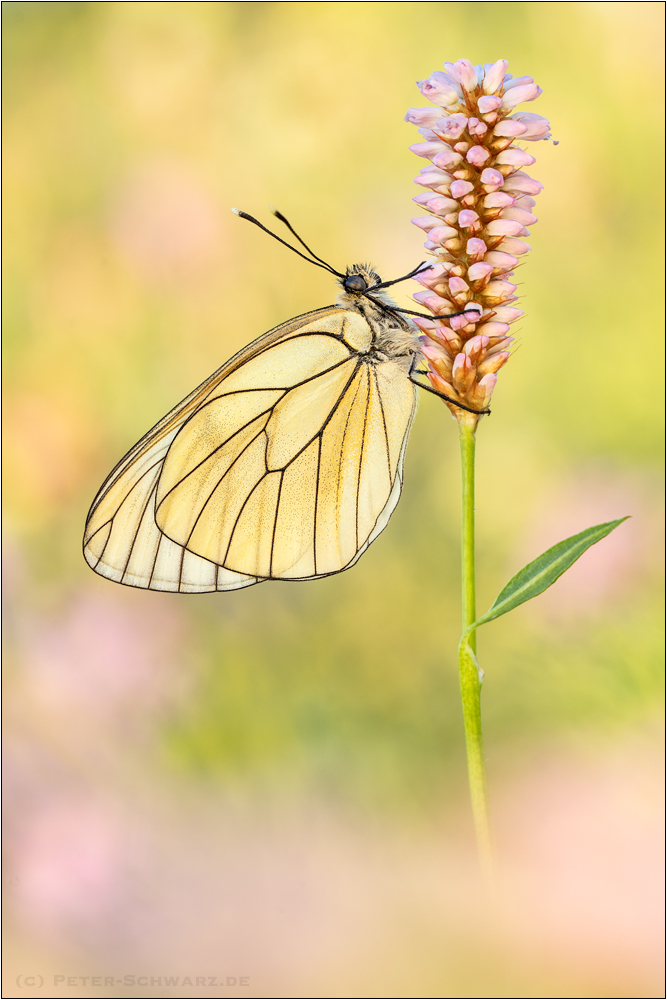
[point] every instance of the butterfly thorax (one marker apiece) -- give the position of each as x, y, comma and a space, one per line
395, 337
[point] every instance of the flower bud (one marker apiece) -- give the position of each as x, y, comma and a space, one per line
441, 205
475, 247
515, 158
463, 373
477, 156
517, 95
522, 183
498, 291
458, 287
479, 271
476, 127
503, 227
507, 314
439, 88
461, 188
513, 246
493, 363
501, 261
446, 158
491, 178
468, 219
426, 222
441, 233
451, 127
488, 104
507, 127
493, 77
475, 347
536, 127
428, 149
493, 329
497, 200
423, 116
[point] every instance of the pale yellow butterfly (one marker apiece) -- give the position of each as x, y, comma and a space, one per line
285, 464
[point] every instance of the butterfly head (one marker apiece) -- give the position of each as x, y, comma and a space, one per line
360, 278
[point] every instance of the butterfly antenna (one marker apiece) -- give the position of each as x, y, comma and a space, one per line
416, 270
279, 215
256, 222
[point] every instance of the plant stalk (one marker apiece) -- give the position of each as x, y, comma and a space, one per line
470, 681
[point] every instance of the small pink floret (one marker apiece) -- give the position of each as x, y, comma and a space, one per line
491, 178
479, 271
460, 189
477, 156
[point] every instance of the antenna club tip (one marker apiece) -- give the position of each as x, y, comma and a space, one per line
236, 211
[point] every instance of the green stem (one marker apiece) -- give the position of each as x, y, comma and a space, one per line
471, 684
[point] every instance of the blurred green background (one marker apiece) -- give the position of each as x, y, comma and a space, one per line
271, 783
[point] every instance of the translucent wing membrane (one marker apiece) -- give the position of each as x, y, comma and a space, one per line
284, 464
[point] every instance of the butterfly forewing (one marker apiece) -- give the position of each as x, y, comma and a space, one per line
284, 464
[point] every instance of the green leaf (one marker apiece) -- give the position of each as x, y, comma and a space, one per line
539, 574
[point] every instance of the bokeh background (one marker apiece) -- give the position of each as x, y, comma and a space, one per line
271, 783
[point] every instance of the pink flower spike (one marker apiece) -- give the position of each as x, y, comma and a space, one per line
507, 127
491, 178
423, 116
468, 218
479, 271
446, 158
475, 247
428, 149
440, 89
515, 158
501, 261
488, 104
477, 156
476, 127
461, 188
493, 78
517, 95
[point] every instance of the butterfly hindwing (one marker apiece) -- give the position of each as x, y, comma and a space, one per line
284, 464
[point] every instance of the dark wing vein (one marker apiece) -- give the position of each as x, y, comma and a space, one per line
384, 423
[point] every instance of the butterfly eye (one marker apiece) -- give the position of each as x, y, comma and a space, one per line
355, 283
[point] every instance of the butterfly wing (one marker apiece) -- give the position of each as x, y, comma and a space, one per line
284, 464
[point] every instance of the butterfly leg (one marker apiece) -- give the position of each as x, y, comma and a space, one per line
429, 388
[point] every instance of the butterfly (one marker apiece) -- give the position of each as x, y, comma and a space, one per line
285, 464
